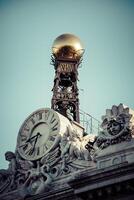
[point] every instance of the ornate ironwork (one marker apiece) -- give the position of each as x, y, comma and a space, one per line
66, 59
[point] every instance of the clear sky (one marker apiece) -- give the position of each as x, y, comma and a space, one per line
27, 31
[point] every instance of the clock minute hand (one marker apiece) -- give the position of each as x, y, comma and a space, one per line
37, 136
27, 141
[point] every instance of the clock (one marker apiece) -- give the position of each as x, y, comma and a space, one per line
40, 133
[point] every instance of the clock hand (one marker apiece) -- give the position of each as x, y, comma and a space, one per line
31, 150
37, 136
29, 140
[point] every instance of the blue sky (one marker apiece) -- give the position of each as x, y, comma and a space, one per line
27, 31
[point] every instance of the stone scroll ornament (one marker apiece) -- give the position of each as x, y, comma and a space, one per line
117, 126
48, 147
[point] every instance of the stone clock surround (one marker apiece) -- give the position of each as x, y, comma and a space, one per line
77, 166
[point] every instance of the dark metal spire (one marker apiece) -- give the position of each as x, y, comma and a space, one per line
66, 58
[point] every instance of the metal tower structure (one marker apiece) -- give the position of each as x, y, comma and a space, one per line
66, 57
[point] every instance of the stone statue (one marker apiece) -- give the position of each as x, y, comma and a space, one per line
7, 177
117, 126
74, 145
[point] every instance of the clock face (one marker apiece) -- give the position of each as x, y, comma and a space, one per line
38, 134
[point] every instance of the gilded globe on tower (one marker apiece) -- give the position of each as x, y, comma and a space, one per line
67, 46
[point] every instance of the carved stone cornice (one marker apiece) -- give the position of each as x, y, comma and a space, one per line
99, 182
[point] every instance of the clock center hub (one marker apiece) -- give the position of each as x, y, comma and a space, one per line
41, 131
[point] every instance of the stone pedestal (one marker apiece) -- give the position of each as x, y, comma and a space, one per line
116, 154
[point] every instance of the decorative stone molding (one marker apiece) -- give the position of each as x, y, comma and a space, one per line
117, 126
36, 176
73, 153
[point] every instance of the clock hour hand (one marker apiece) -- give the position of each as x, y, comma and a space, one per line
35, 136
29, 140
35, 141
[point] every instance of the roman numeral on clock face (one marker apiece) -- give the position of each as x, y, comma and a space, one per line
40, 115
23, 138
30, 151
37, 150
26, 128
47, 113
25, 146
46, 147
52, 119
55, 127
32, 120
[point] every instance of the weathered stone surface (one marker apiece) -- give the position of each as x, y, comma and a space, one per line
116, 143
116, 154
117, 126
77, 165
37, 175
97, 183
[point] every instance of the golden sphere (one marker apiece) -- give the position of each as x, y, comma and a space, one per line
67, 46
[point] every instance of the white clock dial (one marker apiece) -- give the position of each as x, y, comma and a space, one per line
38, 134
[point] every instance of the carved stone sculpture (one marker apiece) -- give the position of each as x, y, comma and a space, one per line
117, 126
32, 173
75, 145
7, 177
